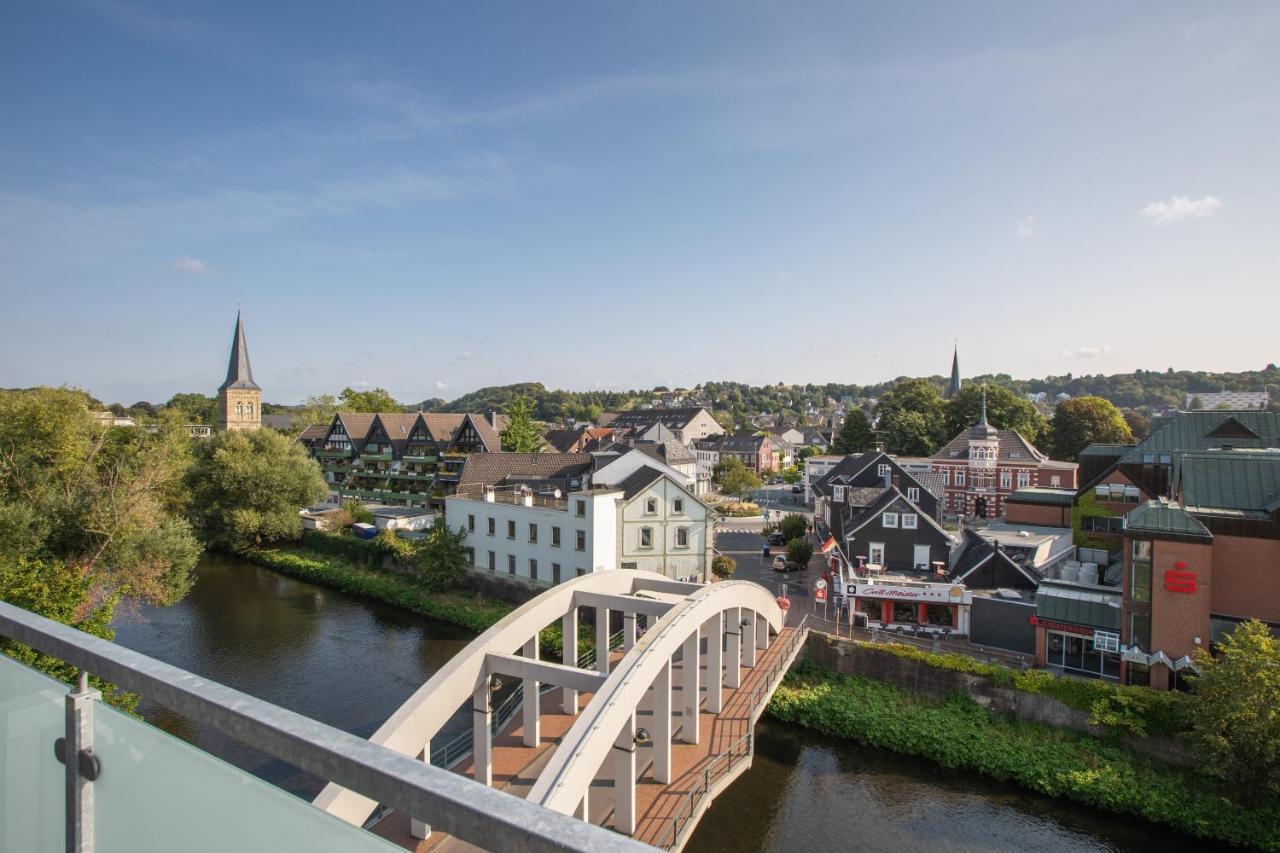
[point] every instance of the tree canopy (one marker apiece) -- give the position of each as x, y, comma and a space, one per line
734, 478
372, 400
248, 486
1081, 421
855, 436
522, 434
1005, 410
913, 418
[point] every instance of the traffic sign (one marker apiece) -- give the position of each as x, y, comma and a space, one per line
819, 584
820, 593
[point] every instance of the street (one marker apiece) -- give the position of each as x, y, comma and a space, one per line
745, 549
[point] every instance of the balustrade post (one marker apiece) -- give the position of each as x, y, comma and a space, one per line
715, 663
661, 725
482, 737
689, 693
569, 656
420, 828
733, 654
531, 699
82, 766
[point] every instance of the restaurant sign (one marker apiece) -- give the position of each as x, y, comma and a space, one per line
1064, 627
934, 592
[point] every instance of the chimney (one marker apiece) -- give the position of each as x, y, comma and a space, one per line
493, 419
888, 478
897, 481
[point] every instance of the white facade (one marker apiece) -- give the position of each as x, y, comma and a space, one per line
538, 538
707, 461
815, 468
633, 460
665, 529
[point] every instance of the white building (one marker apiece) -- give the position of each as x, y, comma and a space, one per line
815, 468
521, 519
1235, 400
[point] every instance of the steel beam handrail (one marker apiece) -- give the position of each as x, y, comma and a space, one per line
484, 816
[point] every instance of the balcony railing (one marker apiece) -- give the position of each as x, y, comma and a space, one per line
123, 785
333, 454
384, 456
424, 459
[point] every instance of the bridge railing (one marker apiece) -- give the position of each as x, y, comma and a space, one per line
721, 765
112, 777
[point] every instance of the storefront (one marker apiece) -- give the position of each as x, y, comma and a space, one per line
890, 603
1078, 630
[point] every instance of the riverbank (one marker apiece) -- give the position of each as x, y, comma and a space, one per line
470, 610
957, 733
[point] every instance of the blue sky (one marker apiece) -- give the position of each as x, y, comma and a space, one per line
436, 197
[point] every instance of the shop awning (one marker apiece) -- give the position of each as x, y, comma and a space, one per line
1088, 607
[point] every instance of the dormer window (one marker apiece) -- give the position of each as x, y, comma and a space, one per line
837, 494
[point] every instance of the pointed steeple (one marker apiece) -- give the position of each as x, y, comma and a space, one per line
953, 388
239, 373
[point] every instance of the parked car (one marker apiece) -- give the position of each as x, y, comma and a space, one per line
776, 538
779, 563
797, 490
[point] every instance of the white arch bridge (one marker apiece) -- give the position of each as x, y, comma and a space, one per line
640, 739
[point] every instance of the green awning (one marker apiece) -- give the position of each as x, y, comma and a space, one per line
1079, 606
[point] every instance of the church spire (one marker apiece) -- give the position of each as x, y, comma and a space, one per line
239, 373
953, 388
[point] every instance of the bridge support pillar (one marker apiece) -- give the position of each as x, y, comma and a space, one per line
602, 640
733, 652
530, 704
420, 828
583, 810
715, 662
762, 632
748, 623
624, 779
628, 631
689, 704
569, 640
481, 737
660, 726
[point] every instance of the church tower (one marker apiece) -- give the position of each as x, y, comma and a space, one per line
953, 388
239, 397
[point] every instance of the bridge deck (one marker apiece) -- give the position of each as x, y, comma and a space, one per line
516, 767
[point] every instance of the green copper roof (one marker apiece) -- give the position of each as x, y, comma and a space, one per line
1242, 481
1192, 431
1095, 608
1164, 518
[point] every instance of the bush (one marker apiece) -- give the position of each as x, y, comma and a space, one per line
957, 733
357, 513
443, 558
723, 566
793, 527
799, 551
739, 509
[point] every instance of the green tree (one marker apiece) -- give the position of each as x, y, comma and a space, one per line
1236, 724
373, 400
442, 558
793, 527
792, 474
1082, 421
522, 433
726, 420
195, 408
1005, 410
855, 436
723, 566
913, 418
799, 552
1196, 404
807, 451
1139, 424
248, 486
357, 511
734, 478
316, 409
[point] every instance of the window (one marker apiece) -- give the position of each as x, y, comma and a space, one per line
533, 568
889, 519
1055, 481
837, 494
682, 537
1140, 631
1140, 572
493, 523
555, 537
650, 506
581, 544
677, 505
511, 530
946, 476
646, 537
471, 523
882, 469
1006, 479
959, 476
913, 494
1015, 454
533, 532
908, 521
493, 562
511, 564
555, 573
1024, 479
580, 508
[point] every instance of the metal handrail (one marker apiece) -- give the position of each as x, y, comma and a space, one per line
484, 816
731, 755
454, 751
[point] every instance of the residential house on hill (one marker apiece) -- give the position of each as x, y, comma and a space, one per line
687, 425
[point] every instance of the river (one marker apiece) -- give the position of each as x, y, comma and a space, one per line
350, 663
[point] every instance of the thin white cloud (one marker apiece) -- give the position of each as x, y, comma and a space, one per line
191, 265
1026, 227
463, 356
1180, 208
441, 385
1087, 351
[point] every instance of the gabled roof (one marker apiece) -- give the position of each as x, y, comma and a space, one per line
239, 373
563, 440
488, 435
1224, 482
979, 552
855, 518
639, 480
315, 432
1164, 518
1012, 447
670, 452
397, 426
1206, 430
356, 425
494, 469
670, 418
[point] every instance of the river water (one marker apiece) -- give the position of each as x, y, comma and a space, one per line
350, 663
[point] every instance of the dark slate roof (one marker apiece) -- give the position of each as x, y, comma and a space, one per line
670, 452
931, 481
977, 552
638, 481
239, 373
492, 469
1164, 518
1010, 442
741, 442
863, 496
281, 422
670, 418
847, 467
1040, 495
1222, 482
